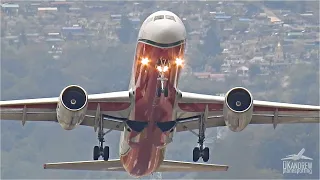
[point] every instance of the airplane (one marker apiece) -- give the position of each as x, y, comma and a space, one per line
153, 109
298, 156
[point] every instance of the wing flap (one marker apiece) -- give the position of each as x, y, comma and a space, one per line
180, 166
114, 125
283, 119
100, 165
194, 124
28, 114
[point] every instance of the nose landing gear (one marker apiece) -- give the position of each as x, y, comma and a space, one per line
162, 67
162, 89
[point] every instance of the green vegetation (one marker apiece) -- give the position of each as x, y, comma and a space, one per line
31, 72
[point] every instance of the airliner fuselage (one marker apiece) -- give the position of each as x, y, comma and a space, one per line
155, 74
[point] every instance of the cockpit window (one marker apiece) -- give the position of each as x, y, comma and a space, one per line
158, 17
170, 17
149, 20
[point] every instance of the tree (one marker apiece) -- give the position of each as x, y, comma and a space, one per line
195, 59
126, 32
23, 38
216, 62
211, 45
254, 70
241, 26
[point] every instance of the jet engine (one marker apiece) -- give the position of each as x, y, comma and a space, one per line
72, 106
238, 108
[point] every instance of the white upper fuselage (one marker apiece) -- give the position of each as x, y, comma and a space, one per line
163, 27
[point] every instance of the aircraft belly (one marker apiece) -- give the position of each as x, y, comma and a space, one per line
142, 152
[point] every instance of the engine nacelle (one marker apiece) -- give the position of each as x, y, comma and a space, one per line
238, 108
72, 106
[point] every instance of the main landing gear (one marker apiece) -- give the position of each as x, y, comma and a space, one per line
100, 150
201, 151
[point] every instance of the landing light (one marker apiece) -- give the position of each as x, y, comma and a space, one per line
162, 69
165, 68
145, 61
179, 61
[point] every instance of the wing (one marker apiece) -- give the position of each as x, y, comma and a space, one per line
115, 165
291, 155
305, 157
44, 109
264, 112
287, 158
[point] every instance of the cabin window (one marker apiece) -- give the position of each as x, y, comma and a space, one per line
159, 17
170, 17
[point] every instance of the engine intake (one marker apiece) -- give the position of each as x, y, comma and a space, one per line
72, 106
239, 100
238, 108
74, 98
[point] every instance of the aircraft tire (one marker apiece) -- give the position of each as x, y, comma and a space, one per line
96, 153
159, 92
205, 156
196, 154
106, 153
166, 92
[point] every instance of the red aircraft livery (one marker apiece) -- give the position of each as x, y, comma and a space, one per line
153, 108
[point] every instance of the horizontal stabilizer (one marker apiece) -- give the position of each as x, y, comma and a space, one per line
115, 165
100, 165
180, 166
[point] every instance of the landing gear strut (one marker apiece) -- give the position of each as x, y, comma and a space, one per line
100, 150
201, 151
162, 67
162, 89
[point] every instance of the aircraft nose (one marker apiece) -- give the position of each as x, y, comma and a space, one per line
164, 32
